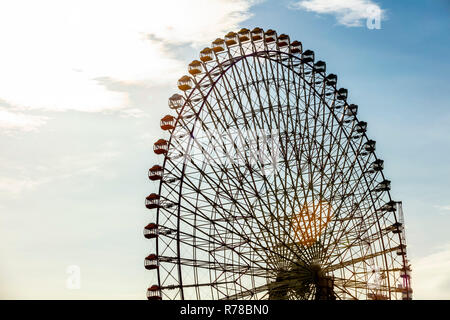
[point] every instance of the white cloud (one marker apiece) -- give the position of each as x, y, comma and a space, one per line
16, 186
16, 179
351, 13
133, 113
54, 52
444, 208
18, 121
431, 276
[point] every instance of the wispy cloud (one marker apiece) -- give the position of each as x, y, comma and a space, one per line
133, 113
444, 209
11, 122
350, 13
430, 275
17, 185
54, 52
16, 179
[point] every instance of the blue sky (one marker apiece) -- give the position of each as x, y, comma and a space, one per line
80, 103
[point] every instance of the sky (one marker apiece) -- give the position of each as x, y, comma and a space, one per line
84, 84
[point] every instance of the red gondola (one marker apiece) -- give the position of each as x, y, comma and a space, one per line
218, 45
151, 262
176, 101
155, 173
152, 201
270, 36
154, 293
151, 231
206, 55
257, 34
296, 47
244, 35
283, 40
168, 122
195, 67
231, 38
161, 146
185, 83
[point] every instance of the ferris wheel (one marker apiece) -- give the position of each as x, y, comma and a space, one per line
269, 187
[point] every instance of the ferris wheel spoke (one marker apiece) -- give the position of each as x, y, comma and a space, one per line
343, 264
366, 257
241, 82
345, 291
246, 293
206, 218
256, 191
284, 150
369, 194
257, 237
344, 156
339, 234
285, 154
362, 285
217, 265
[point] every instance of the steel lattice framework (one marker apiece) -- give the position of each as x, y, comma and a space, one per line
270, 187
